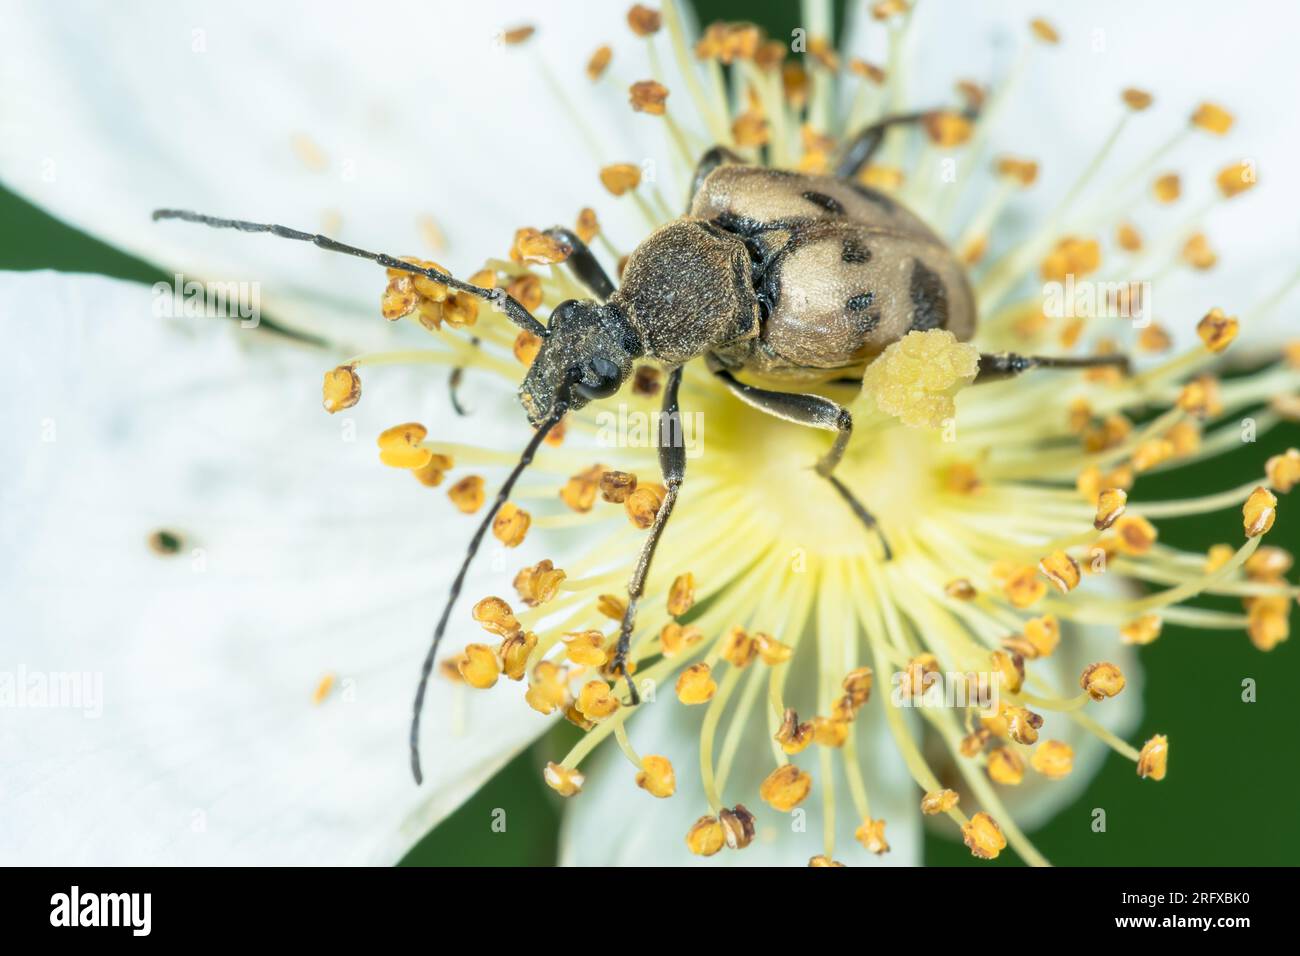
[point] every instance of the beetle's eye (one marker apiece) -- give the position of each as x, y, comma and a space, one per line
600, 379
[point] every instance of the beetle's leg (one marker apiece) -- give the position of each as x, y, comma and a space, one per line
1002, 365
815, 412
859, 150
672, 462
584, 263
711, 160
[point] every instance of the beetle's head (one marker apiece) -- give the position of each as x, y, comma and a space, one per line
588, 352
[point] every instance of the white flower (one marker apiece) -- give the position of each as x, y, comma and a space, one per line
302, 569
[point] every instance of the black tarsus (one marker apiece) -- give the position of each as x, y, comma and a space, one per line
561, 406
515, 312
1002, 365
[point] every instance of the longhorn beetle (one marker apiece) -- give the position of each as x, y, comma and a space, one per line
789, 278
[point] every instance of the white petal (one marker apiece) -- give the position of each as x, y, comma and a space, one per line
615, 823
410, 110
302, 557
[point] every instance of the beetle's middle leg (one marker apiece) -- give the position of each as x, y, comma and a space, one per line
814, 412
713, 158
672, 462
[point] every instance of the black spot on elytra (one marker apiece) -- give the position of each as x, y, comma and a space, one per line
861, 309
860, 302
854, 251
829, 203
929, 299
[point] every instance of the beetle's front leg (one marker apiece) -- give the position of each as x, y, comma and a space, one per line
583, 262
672, 462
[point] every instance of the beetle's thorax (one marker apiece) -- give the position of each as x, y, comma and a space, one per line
688, 289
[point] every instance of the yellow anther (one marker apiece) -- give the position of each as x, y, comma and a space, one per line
974, 742
695, 685
785, 788
1259, 512
1135, 99
681, 595
399, 446
1023, 587
642, 505
1198, 254
546, 690
1134, 535
1022, 171
511, 525
1184, 437
587, 227
526, 347
962, 478
563, 781
738, 648
706, 836
1128, 238
1044, 31
468, 494
674, 638
857, 685
1218, 556
915, 378
1212, 118
527, 289
1005, 766
1111, 505
771, 650
872, 836
1152, 452
737, 826
532, 246
939, 801
323, 689
595, 702
342, 389
1054, 759
830, 731
1009, 668
1062, 570
480, 666
611, 606
598, 64
887, 178
947, 129
822, 860
643, 20
793, 736
517, 35
619, 178
578, 718
1142, 631
1268, 621
616, 486
867, 71
433, 471
1102, 680
1235, 179
751, 129
918, 676
495, 616
539, 583
983, 836
647, 96
1167, 188
1153, 760
1072, 256
1283, 471
514, 652
886, 9
656, 777
579, 492
1217, 330
1022, 724
586, 648
1269, 564
960, 589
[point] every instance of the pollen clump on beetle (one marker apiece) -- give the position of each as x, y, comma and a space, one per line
1024, 516
916, 378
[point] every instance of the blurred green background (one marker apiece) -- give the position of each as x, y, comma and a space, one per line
1234, 772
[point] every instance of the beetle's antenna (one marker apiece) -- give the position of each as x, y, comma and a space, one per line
561, 406
499, 298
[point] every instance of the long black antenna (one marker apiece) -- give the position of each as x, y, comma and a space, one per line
426, 669
499, 298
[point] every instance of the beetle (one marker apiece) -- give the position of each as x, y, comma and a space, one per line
790, 280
